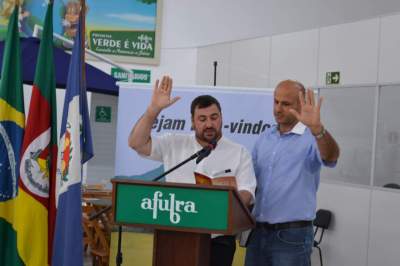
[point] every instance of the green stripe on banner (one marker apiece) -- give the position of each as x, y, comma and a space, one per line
8, 251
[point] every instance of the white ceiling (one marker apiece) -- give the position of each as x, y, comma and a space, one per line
191, 23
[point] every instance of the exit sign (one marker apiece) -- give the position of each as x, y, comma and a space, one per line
138, 75
332, 78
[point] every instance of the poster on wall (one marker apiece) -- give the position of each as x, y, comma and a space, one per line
246, 114
122, 30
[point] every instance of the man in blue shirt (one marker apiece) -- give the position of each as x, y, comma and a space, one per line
287, 161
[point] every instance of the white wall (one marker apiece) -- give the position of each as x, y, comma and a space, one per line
383, 248
366, 217
221, 54
179, 63
295, 56
389, 53
351, 48
101, 167
249, 64
346, 242
365, 52
199, 23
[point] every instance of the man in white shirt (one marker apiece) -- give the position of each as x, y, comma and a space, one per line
171, 149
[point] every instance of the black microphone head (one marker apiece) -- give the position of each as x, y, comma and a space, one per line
206, 150
213, 144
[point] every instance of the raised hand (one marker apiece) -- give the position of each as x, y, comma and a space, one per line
161, 97
310, 111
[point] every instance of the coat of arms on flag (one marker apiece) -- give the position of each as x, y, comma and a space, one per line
66, 155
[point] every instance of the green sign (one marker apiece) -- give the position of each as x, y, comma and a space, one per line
139, 75
125, 43
170, 206
103, 114
332, 78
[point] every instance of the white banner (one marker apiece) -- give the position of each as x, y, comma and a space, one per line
245, 113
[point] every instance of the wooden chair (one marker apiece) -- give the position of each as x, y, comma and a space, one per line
97, 232
100, 246
87, 227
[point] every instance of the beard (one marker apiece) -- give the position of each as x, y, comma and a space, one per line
208, 134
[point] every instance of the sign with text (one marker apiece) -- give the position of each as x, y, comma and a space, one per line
126, 43
171, 206
138, 75
245, 114
126, 30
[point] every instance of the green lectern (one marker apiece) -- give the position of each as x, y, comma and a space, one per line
183, 215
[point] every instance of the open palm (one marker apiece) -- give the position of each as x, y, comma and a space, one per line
161, 97
310, 110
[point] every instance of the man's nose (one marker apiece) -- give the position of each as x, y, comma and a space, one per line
208, 123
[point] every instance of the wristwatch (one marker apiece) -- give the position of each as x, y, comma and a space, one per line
321, 134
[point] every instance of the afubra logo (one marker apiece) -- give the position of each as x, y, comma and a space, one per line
171, 205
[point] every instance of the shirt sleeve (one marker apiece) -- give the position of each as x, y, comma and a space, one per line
316, 157
159, 147
245, 178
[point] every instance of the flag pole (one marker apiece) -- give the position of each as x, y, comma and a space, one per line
83, 39
82, 24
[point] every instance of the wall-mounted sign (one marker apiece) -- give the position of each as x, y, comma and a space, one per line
138, 75
125, 30
103, 114
332, 78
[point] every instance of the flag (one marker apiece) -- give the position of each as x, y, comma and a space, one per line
75, 148
36, 205
12, 123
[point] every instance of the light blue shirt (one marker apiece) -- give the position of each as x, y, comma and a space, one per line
287, 167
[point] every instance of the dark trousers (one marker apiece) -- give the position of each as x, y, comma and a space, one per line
222, 250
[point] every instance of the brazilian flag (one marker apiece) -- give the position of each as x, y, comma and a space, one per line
12, 123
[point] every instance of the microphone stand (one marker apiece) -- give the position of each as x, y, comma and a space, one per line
201, 154
177, 166
215, 72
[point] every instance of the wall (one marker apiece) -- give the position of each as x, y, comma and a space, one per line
361, 112
199, 23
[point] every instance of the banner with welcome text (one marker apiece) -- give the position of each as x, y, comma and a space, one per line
245, 112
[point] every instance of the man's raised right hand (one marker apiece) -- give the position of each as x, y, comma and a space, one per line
161, 97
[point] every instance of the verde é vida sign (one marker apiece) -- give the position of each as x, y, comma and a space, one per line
171, 206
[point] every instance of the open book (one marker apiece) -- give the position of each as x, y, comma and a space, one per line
203, 179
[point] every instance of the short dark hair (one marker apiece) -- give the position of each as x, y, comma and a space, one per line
203, 101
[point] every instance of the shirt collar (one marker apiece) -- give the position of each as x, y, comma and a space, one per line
298, 129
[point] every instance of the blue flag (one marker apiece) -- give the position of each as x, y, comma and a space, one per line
75, 148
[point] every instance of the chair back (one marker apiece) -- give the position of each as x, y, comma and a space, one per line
392, 185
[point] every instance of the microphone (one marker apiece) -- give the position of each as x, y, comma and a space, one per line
203, 153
